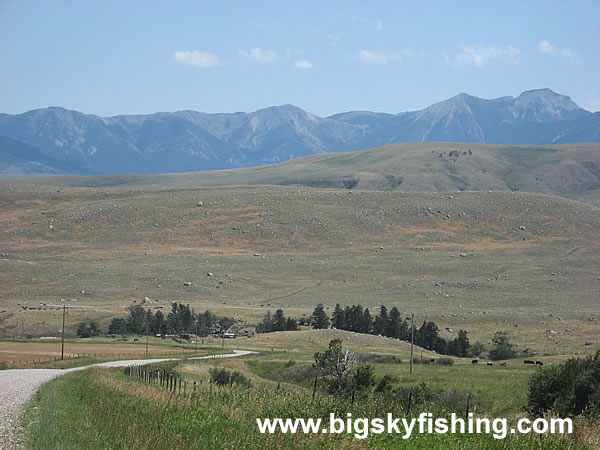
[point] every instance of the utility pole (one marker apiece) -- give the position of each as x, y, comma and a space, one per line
196, 337
62, 350
146, 337
412, 340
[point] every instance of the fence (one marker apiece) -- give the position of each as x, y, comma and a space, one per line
36, 360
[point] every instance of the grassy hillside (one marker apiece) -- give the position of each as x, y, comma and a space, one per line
571, 171
529, 262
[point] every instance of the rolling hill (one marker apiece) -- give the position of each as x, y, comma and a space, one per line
571, 171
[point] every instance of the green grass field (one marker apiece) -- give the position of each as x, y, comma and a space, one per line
104, 409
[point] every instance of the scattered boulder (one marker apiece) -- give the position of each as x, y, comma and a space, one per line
589, 342
199, 203
209, 274
187, 283
522, 228
463, 255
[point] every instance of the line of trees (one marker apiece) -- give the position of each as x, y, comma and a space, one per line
358, 319
277, 322
180, 320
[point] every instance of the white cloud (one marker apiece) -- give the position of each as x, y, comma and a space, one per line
197, 58
260, 55
382, 56
303, 64
480, 55
379, 25
546, 47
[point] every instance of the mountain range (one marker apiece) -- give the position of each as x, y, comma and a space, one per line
54, 141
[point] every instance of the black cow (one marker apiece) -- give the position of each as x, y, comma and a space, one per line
474, 361
490, 364
503, 364
528, 361
539, 363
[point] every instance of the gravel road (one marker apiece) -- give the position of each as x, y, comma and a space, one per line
17, 386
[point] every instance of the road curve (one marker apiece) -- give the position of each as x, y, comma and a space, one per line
17, 386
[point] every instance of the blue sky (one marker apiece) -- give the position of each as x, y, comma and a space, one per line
123, 57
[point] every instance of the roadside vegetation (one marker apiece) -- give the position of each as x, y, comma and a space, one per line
103, 408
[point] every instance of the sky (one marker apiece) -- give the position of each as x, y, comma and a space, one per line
137, 57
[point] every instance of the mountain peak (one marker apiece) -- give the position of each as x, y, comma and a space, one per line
545, 105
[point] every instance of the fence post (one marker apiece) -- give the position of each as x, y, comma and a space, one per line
409, 401
194, 387
468, 405
315, 386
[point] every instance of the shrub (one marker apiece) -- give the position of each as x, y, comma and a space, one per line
444, 361
223, 377
364, 377
377, 359
385, 384
569, 389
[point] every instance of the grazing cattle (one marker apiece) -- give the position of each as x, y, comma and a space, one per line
539, 363
503, 364
474, 361
490, 364
528, 361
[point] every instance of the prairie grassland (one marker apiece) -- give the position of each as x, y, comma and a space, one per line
522, 263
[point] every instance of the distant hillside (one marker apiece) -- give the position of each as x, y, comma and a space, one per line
63, 141
571, 171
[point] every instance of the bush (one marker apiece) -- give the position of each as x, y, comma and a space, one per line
385, 384
444, 361
364, 377
223, 377
378, 359
569, 389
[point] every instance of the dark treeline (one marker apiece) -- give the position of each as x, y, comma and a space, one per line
277, 322
355, 318
180, 320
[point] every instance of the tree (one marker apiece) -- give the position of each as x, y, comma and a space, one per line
83, 330
427, 335
86, 330
279, 322
366, 322
136, 321
338, 318
463, 343
502, 349
337, 365
94, 328
291, 325
393, 325
117, 326
380, 322
319, 318
160, 325
476, 349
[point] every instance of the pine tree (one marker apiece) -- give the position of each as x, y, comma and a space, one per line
279, 322
338, 317
319, 318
